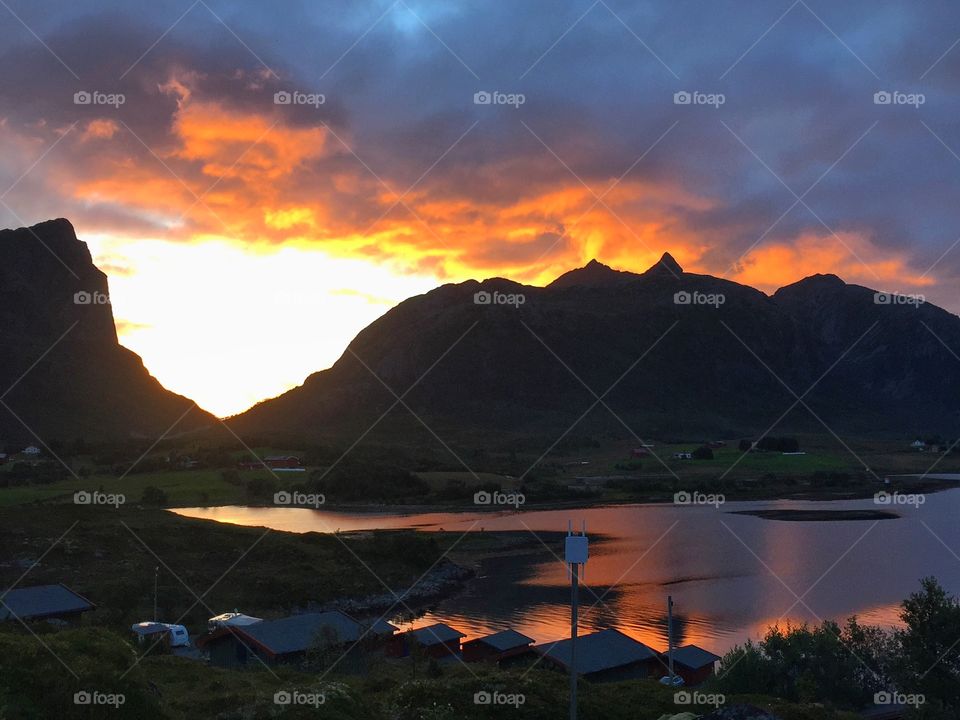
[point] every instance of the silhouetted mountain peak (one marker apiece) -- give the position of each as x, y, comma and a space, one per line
668, 263
54, 305
593, 274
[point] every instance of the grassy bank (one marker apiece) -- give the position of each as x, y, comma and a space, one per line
37, 681
110, 555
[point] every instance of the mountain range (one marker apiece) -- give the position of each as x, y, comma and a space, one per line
663, 353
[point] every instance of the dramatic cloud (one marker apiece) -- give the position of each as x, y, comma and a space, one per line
760, 141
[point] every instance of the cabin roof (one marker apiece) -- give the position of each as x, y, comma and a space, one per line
598, 651
504, 640
694, 657
42, 601
298, 633
435, 634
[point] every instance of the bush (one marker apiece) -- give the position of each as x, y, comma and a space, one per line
366, 481
261, 488
153, 496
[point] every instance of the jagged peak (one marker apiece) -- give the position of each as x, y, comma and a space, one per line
594, 273
667, 262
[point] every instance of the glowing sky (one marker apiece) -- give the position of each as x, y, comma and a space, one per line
248, 241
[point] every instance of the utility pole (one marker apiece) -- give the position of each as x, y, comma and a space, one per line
576, 553
670, 635
156, 582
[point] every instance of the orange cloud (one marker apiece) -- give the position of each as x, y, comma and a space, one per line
850, 255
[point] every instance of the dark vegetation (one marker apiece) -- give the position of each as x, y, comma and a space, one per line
847, 666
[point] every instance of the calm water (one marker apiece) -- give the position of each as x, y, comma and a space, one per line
731, 576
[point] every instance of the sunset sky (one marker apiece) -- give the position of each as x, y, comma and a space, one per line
247, 241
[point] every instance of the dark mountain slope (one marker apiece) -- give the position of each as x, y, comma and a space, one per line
62, 371
700, 368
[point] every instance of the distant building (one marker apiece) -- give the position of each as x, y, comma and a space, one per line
918, 445
497, 647
694, 664
44, 602
437, 641
603, 656
152, 634
31, 450
287, 639
283, 462
683, 456
640, 452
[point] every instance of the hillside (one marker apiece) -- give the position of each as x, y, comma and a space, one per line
702, 369
63, 373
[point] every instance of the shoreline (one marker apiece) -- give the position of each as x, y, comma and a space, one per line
927, 487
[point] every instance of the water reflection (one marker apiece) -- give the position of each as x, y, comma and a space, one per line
731, 576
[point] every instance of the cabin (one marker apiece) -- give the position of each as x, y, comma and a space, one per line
231, 619
152, 635
436, 641
694, 664
44, 602
604, 656
273, 642
498, 647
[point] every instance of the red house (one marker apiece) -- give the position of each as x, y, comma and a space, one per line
436, 641
497, 647
694, 664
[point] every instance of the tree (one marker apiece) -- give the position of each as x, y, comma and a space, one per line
930, 645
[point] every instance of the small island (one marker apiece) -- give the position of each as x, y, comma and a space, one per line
818, 515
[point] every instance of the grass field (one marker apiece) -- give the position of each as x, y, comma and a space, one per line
825, 463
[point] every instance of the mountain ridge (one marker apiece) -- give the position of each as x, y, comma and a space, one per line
733, 369
63, 373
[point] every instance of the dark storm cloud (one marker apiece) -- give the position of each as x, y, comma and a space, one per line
599, 84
